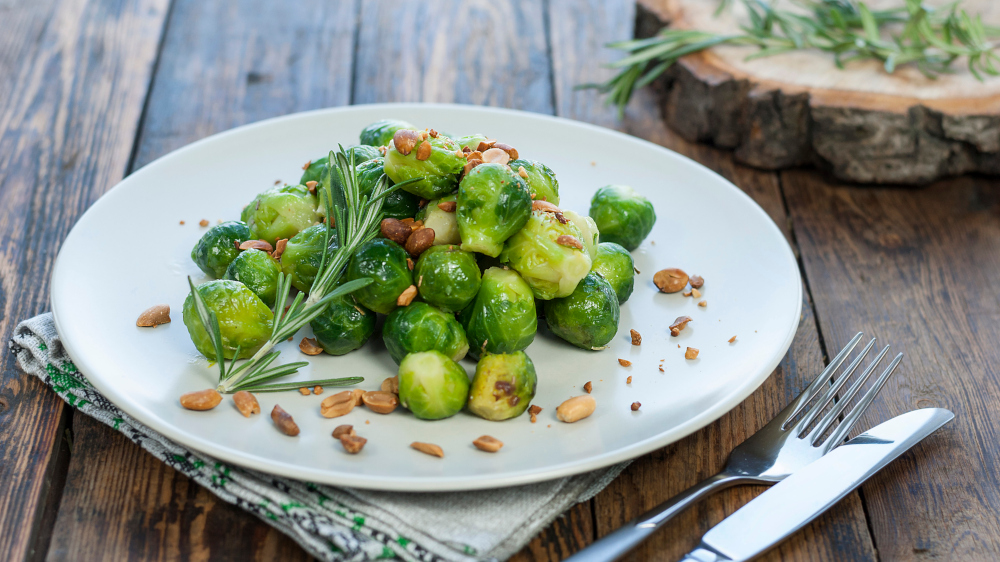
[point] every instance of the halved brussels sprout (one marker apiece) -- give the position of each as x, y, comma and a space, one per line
421, 327
244, 320
541, 180
493, 204
622, 215
380, 132
218, 247
438, 172
589, 317
384, 261
588, 228
303, 254
398, 204
431, 385
258, 271
615, 265
344, 326
503, 318
447, 277
503, 386
316, 169
551, 268
445, 224
281, 212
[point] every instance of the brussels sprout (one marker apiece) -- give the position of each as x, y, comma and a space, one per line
317, 168
552, 269
303, 254
445, 224
380, 132
447, 277
281, 212
622, 215
421, 327
244, 320
218, 247
431, 385
470, 141
541, 180
503, 386
588, 228
344, 326
615, 265
493, 204
258, 271
589, 317
503, 318
384, 261
439, 171
398, 204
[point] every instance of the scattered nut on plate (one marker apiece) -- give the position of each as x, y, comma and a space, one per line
696, 281
201, 400
588, 387
154, 316
428, 449
576, 408
391, 384
352, 443
342, 430
691, 353
624, 362
636, 406
284, 422
337, 405
679, 324
533, 412
732, 339
636, 338
380, 402
488, 444
670, 280
310, 346
246, 403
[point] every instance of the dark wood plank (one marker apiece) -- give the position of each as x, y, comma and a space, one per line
577, 31
223, 64
918, 269
70, 104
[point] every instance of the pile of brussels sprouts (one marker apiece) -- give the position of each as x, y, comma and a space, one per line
504, 255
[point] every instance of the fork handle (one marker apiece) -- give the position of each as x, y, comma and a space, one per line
618, 543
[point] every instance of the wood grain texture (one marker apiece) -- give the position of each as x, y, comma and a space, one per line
70, 101
919, 270
223, 64
840, 534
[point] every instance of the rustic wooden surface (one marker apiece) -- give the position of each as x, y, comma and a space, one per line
90, 90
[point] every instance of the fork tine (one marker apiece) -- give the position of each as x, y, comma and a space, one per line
838, 435
827, 422
832, 391
814, 387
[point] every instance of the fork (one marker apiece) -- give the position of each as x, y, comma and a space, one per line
778, 449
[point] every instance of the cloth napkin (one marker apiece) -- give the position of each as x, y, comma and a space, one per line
330, 523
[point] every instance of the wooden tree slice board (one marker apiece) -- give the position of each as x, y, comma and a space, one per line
861, 123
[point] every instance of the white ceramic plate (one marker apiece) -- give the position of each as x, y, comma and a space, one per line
128, 252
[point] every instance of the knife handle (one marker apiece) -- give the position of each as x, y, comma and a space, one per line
618, 543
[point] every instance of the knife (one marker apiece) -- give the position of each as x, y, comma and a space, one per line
792, 503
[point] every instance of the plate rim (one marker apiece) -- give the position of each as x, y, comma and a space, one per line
436, 483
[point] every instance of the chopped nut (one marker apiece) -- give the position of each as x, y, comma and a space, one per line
342, 430
636, 338
496, 156
533, 412
732, 339
661, 369
576, 408
380, 402
448, 206
404, 140
510, 150
570, 241
679, 324
182, 223
433, 133
628, 380
624, 362
154, 316
420, 241
488, 444
262, 245
636, 406
697, 281
311, 185
691, 353
201, 400
424, 151
317, 389
670, 280
636, 270
279, 248
304, 391
395, 230
428, 449
695, 293
407, 296
203, 223
522, 172
561, 218
409, 264
391, 384
423, 135
309, 346
352, 443
356, 395
588, 387
284, 422
545, 206
703, 304
337, 405
470, 165
474, 155
306, 165
246, 403
485, 145
686, 293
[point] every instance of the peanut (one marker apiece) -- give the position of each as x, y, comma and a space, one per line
448, 206
201, 400
246, 403
279, 248
284, 422
570, 241
311, 186
342, 430
697, 281
696, 293
472, 163
337, 405
679, 324
262, 245
404, 140
576, 408
495, 156
380, 402
485, 145
636, 406
690, 353
670, 280
391, 384
544, 206
589, 386
309, 346
356, 396
488, 444
420, 241
510, 150
203, 223
703, 304
407, 296
624, 362
424, 151
352, 443
522, 172
533, 412
154, 316
428, 449
395, 230
732, 339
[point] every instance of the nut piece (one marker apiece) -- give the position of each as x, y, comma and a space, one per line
279, 248
569, 240
284, 422
522, 172
495, 156
203, 223
304, 391
636, 338
404, 140
628, 380
695, 293
670, 280
472, 163
428, 449
380, 401
352, 443
691, 353
409, 264
576, 408
696, 281
317, 389
732, 339
407, 296
424, 151
201, 400
636, 406
510, 150
448, 206
488, 444
395, 230
356, 395
262, 245
391, 384
337, 405
154, 316
679, 324
588, 387
310, 346
311, 186
703, 304
246, 403
624, 362
342, 430
485, 145
533, 412
544, 206
420, 241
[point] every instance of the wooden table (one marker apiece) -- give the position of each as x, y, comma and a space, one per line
91, 90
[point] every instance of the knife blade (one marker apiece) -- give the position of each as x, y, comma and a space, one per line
792, 503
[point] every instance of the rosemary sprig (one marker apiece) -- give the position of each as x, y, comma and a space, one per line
914, 34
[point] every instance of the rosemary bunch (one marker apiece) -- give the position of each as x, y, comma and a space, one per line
913, 34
